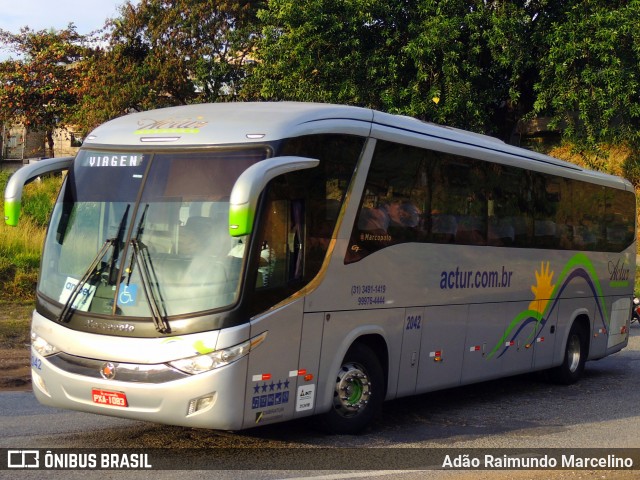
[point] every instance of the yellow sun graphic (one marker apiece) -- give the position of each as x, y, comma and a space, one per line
543, 289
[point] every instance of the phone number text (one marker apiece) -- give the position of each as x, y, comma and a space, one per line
369, 294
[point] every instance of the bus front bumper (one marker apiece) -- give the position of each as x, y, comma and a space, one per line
208, 400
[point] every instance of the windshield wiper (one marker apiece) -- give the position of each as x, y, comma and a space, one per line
149, 278
65, 314
116, 241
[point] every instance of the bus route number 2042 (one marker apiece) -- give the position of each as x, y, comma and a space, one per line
369, 294
413, 322
36, 362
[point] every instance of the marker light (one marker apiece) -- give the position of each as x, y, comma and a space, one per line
202, 403
217, 358
38, 381
159, 139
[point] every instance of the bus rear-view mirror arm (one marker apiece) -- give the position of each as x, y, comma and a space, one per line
13, 191
247, 189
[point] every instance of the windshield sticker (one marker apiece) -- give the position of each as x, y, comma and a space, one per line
128, 295
84, 297
170, 125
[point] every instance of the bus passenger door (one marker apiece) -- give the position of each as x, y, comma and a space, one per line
442, 346
273, 383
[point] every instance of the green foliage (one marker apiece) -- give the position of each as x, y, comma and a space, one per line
589, 75
471, 63
168, 52
332, 51
38, 197
483, 66
463, 63
39, 88
631, 168
20, 247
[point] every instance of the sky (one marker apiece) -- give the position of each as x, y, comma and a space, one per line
87, 15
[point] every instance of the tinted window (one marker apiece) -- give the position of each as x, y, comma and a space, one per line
419, 195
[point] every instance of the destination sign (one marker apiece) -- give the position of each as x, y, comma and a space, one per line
112, 160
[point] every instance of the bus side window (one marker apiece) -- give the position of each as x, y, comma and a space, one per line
280, 266
281, 244
273, 243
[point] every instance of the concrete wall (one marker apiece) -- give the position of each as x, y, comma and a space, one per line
18, 142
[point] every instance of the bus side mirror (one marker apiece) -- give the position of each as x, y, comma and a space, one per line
13, 191
249, 186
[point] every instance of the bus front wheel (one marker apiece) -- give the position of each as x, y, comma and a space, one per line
575, 356
358, 392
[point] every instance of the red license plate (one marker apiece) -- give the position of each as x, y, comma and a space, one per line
104, 397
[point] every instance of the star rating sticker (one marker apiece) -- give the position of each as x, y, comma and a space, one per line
271, 387
279, 384
256, 389
286, 384
264, 387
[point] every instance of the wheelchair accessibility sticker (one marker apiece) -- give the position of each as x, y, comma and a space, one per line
128, 296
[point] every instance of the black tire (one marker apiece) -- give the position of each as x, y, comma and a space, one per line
575, 356
358, 393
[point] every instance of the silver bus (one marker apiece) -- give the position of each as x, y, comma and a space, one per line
232, 265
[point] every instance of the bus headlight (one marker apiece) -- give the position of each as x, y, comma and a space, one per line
41, 346
218, 358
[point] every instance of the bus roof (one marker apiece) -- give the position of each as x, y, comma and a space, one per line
221, 123
259, 122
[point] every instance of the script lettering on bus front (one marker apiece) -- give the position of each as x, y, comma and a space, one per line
171, 125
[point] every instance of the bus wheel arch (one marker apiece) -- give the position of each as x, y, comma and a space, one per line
576, 352
359, 387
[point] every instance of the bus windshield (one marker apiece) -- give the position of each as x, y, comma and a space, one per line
140, 234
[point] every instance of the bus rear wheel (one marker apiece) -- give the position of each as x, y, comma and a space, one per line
358, 392
575, 356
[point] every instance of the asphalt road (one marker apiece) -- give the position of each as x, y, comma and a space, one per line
601, 412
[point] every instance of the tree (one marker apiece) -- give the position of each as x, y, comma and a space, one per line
458, 80
169, 52
40, 87
465, 63
333, 51
590, 75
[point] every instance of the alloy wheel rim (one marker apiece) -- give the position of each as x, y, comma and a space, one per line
352, 391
